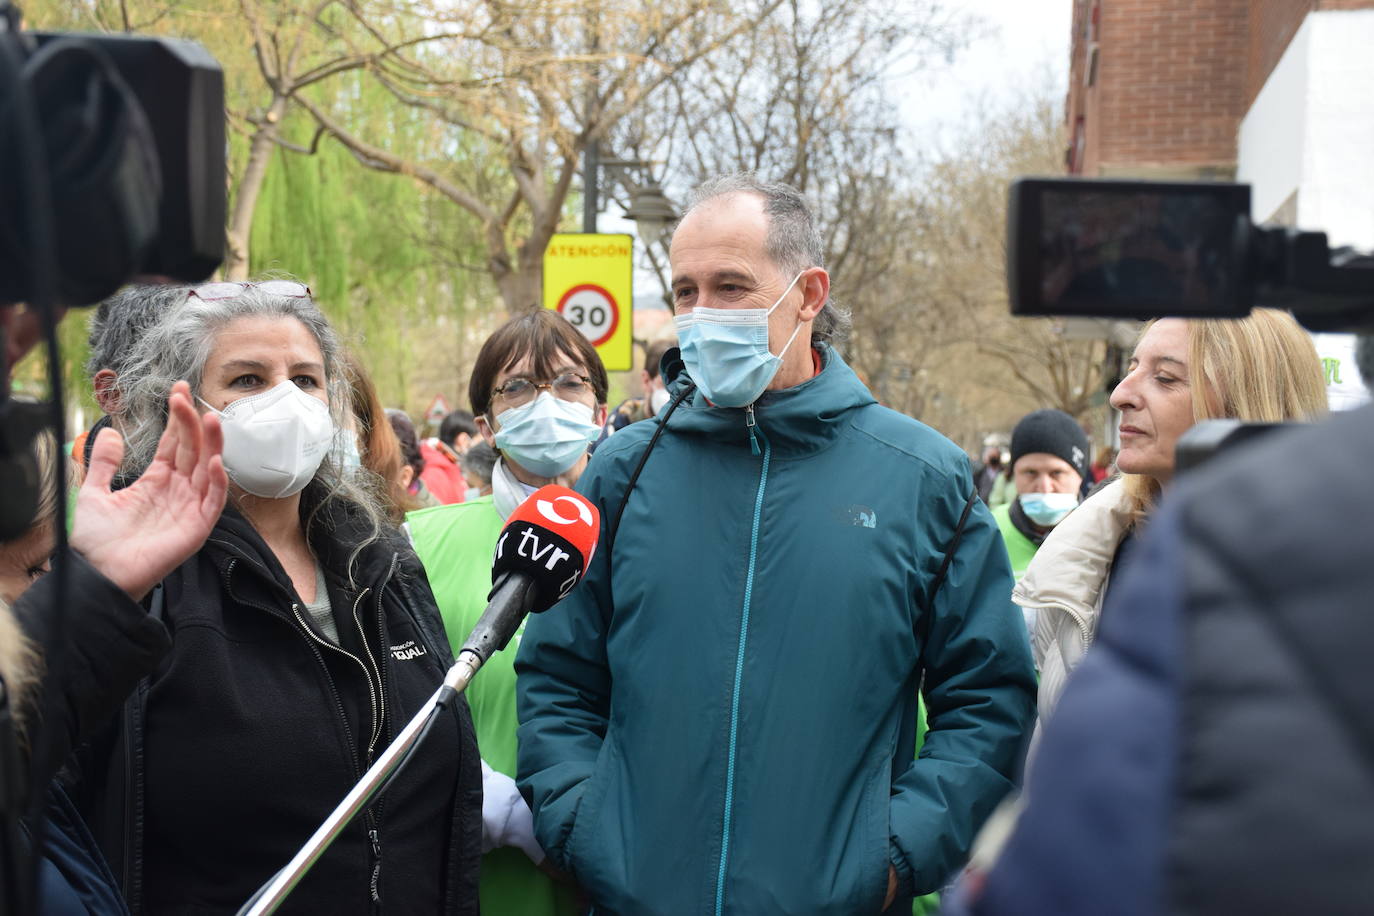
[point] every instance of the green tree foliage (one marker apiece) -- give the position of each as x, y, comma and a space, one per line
530, 85
365, 243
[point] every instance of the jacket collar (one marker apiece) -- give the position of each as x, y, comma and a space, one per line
797, 421
1070, 569
334, 534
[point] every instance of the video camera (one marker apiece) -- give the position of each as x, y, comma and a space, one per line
112, 149
123, 136
1148, 249
113, 152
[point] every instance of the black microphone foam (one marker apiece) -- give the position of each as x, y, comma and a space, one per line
541, 555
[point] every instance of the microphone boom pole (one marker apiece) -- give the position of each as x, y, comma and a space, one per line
490, 635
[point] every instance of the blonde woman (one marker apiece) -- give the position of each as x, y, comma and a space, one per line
1263, 368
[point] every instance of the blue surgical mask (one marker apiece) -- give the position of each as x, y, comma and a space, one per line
726, 351
548, 435
1047, 509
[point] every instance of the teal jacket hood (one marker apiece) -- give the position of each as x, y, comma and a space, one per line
800, 419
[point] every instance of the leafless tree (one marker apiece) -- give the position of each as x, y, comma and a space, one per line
528, 86
297, 46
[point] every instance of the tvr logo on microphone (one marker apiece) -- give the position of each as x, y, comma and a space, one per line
541, 553
532, 548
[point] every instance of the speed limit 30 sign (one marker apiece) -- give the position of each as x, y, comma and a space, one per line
588, 280
592, 310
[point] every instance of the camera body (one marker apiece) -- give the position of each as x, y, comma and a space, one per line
121, 138
112, 149
1150, 249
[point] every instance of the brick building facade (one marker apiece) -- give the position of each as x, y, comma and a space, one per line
1277, 94
1158, 88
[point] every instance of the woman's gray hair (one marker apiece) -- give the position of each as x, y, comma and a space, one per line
178, 346
793, 242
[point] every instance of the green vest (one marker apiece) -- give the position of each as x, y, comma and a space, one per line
455, 543
1020, 548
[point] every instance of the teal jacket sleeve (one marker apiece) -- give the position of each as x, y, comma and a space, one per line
563, 695
980, 702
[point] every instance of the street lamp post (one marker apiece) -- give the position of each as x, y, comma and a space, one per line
591, 185
651, 210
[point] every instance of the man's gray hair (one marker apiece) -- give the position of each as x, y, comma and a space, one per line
178, 346
122, 319
793, 243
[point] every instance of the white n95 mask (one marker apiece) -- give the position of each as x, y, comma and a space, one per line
274, 441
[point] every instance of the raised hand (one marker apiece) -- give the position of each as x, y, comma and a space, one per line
137, 535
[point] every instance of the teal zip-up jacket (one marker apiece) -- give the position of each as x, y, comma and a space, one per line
722, 717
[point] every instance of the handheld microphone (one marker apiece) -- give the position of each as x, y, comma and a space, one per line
542, 553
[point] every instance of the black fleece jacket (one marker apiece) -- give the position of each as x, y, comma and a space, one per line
106, 643
255, 728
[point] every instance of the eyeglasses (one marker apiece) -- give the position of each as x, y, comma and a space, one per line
231, 289
517, 392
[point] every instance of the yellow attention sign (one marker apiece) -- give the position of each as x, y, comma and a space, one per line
588, 279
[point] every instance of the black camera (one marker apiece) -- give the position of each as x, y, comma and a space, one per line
121, 139
112, 150
1148, 249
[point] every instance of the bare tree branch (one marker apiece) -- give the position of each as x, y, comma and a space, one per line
377, 158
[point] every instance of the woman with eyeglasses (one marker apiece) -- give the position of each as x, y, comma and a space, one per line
304, 637
538, 392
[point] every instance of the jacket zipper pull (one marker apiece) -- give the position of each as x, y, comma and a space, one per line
376, 882
751, 423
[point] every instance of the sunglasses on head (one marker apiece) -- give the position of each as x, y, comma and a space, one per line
230, 289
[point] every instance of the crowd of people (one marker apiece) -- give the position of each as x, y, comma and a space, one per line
805, 667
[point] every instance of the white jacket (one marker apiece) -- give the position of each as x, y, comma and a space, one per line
1065, 584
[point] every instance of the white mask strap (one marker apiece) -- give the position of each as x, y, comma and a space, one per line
785, 292
789, 340
778, 303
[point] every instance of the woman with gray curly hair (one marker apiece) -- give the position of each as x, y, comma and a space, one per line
304, 636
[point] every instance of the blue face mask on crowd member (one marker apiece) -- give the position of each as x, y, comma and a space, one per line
726, 351
548, 435
1047, 509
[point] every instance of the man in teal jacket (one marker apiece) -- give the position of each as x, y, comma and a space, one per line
722, 718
